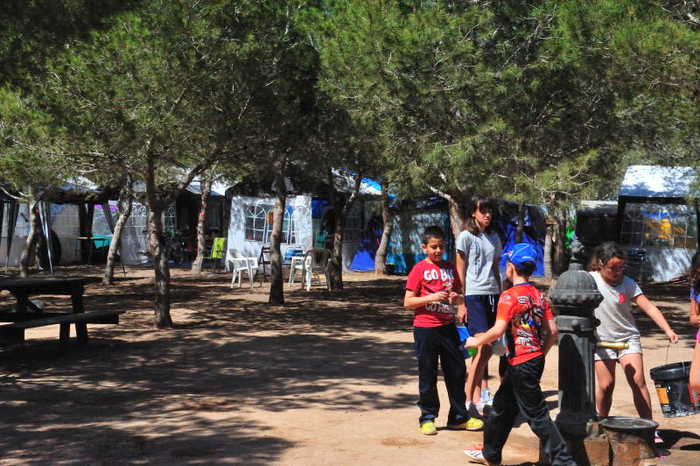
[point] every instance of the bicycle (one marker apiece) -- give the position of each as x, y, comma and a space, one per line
174, 247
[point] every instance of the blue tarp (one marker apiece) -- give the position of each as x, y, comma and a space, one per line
363, 261
405, 244
509, 232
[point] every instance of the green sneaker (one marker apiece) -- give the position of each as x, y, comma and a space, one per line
474, 423
428, 428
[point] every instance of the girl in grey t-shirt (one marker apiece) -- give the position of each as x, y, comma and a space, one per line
478, 253
617, 325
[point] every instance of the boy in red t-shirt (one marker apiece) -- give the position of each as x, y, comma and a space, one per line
526, 319
432, 289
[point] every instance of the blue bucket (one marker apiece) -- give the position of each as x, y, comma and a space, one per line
463, 335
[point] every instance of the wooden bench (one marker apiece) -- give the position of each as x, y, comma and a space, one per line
14, 332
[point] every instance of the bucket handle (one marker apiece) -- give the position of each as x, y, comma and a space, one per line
678, 355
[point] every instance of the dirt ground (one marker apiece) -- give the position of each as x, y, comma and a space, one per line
328, 378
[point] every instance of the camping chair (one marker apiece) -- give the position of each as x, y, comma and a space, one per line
243, 264
264, 261
216, 253
315, 263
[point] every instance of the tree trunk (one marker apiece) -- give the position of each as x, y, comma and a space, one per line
548, 251
276, 277
380, 256
27, 248
124, 208
559, 258
341, 206
156, 243
521, 224
336, 264
201, 246
456, 218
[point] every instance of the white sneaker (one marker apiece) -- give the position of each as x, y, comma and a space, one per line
478, 457
487, 396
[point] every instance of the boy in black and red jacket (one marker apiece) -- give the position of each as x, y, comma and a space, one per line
527, 321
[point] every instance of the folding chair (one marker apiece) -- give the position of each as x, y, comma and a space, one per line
216, 253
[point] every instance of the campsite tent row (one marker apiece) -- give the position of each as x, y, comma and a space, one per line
248, 230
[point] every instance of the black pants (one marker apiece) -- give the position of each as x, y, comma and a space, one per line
441, 342
520, 391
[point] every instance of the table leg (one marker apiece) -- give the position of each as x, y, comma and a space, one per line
64, 335
76, 297
81, 332
22, 302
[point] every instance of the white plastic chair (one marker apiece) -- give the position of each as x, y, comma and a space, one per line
316, 263
295, 262
240, 265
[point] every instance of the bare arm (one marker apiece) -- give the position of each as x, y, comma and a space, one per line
493, 334
694, 310
552, 332
497, 273
411, 301
655, 314
461, 266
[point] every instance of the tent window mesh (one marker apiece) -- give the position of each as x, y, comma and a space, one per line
258, 223
663, 225
353, 225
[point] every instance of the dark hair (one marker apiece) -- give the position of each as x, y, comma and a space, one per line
477, 202
525, 269
603, 253
694, 265
433, 232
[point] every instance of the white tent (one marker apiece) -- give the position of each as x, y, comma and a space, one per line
251, 224
655, 217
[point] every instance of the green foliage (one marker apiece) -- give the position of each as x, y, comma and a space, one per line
521, 101
29, 146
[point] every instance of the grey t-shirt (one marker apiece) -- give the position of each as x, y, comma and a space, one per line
480, 252
615, 312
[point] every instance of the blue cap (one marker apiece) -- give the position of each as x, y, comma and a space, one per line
521, 253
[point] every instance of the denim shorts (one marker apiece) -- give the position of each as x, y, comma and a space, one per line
481, 312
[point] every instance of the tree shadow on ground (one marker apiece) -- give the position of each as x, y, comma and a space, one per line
189, 387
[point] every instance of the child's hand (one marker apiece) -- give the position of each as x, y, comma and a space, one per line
471, 342
672, 337
456, 298
462, 313
439, 296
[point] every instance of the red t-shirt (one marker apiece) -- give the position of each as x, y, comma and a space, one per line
427, 278
527, 311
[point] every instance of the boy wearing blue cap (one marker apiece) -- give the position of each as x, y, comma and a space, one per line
526, 319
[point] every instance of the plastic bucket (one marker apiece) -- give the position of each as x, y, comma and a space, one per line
675, 396
463, 335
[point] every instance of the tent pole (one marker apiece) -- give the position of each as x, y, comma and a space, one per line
43, 218
11, 223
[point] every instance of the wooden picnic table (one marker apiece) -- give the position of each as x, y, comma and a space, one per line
27, 314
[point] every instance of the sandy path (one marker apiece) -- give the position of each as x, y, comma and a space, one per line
329, 378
